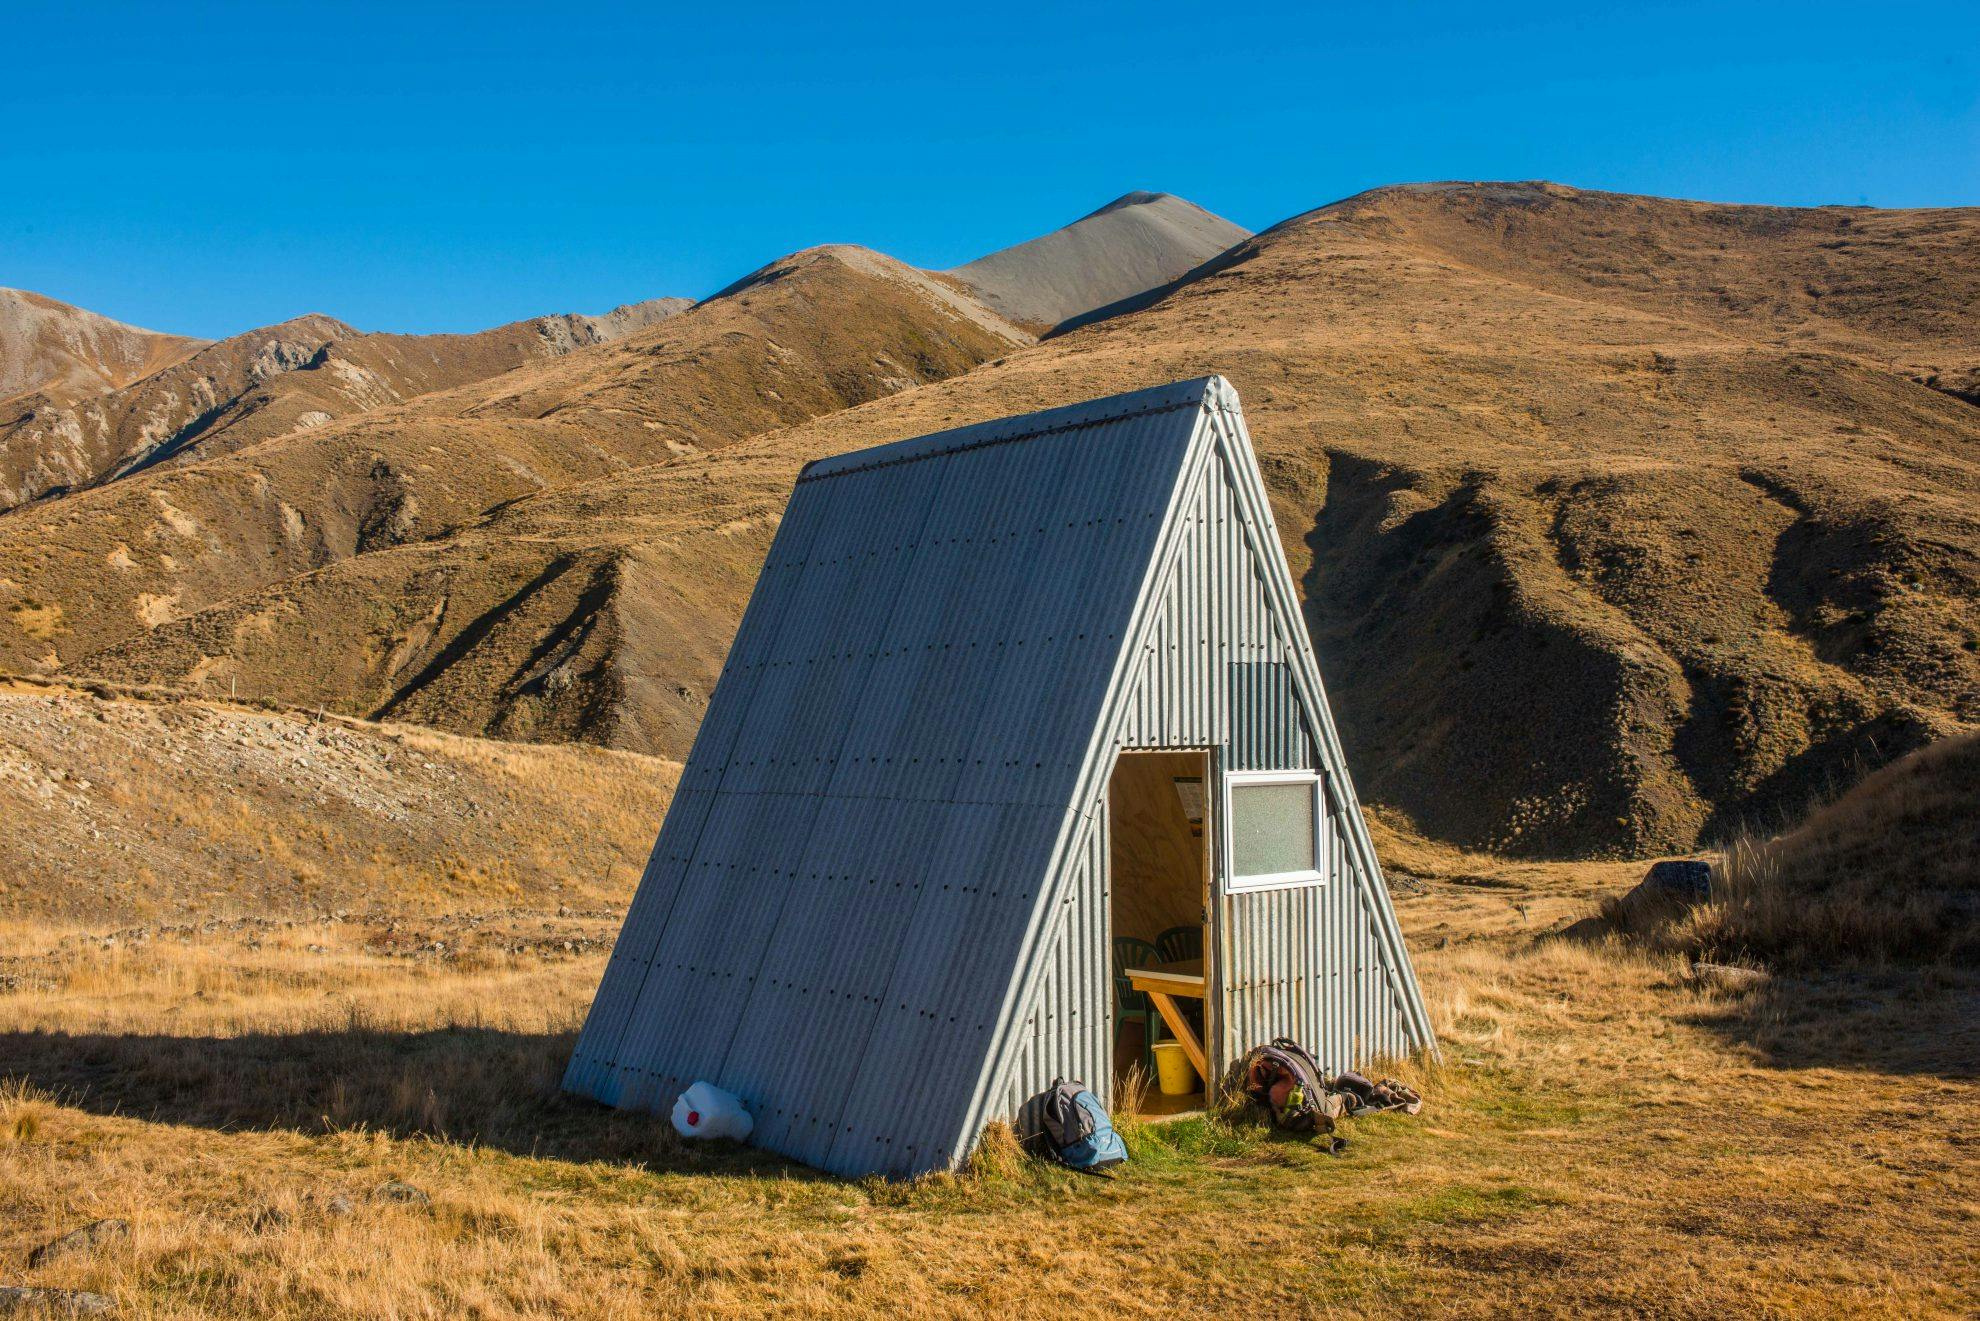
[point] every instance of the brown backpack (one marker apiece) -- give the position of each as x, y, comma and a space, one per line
1287, 1083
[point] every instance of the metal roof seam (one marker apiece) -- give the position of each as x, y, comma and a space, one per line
900, 594
1101, 748
798, 529
816, 472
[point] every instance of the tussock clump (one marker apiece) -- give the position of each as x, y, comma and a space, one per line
998, 1155
1889, 871
23, 1110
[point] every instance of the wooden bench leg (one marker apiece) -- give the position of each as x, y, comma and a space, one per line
1173, 1016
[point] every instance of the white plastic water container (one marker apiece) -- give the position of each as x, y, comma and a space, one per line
706, 1111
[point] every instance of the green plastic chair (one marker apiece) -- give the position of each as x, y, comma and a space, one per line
1180, 944
1133, 1005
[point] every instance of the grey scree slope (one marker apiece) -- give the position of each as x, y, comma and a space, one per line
877, 910
1129, 246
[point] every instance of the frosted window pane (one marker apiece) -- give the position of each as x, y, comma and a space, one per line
1271, 828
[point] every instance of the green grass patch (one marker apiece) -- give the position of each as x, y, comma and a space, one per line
1168, 1145
1463, 1204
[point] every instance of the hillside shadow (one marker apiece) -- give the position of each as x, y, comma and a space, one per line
472, 636
1705, 746
1889, 1020
1907, 1020
478, 1086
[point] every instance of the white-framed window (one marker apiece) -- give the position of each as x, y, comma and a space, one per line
1275, 829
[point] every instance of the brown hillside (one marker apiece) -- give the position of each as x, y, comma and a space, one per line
358, 373
66, 354
147, 809
47, 448
810, 334
1894, 288
1586, 573
274, 382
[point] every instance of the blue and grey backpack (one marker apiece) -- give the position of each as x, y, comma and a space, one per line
1070, 1120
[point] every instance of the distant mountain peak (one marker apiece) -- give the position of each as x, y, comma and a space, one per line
1137, 242
1139, 197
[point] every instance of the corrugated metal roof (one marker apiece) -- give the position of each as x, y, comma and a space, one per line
883, 778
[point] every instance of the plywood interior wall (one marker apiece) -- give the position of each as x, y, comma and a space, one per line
1157, 858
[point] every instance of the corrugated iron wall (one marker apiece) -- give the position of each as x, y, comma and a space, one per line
1359, 998
1215, 671
1305, 962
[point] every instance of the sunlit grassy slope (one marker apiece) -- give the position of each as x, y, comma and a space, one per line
1889, 871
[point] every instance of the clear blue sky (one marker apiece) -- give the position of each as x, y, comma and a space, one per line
207, 168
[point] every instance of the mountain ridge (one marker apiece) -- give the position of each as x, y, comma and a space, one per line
1617, 521
830, 329
268, 382
66, 353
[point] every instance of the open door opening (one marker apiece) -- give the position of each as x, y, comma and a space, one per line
1159, 841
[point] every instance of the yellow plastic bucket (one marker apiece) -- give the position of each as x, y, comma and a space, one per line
1173, 1072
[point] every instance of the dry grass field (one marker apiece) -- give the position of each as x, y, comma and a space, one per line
1611, 1130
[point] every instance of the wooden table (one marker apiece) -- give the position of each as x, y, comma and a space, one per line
1162, 984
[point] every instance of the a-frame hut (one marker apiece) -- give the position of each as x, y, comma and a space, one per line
1006, 698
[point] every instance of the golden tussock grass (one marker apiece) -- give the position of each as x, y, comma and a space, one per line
1603, 1134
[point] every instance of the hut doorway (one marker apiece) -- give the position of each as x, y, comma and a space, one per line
1159, 827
